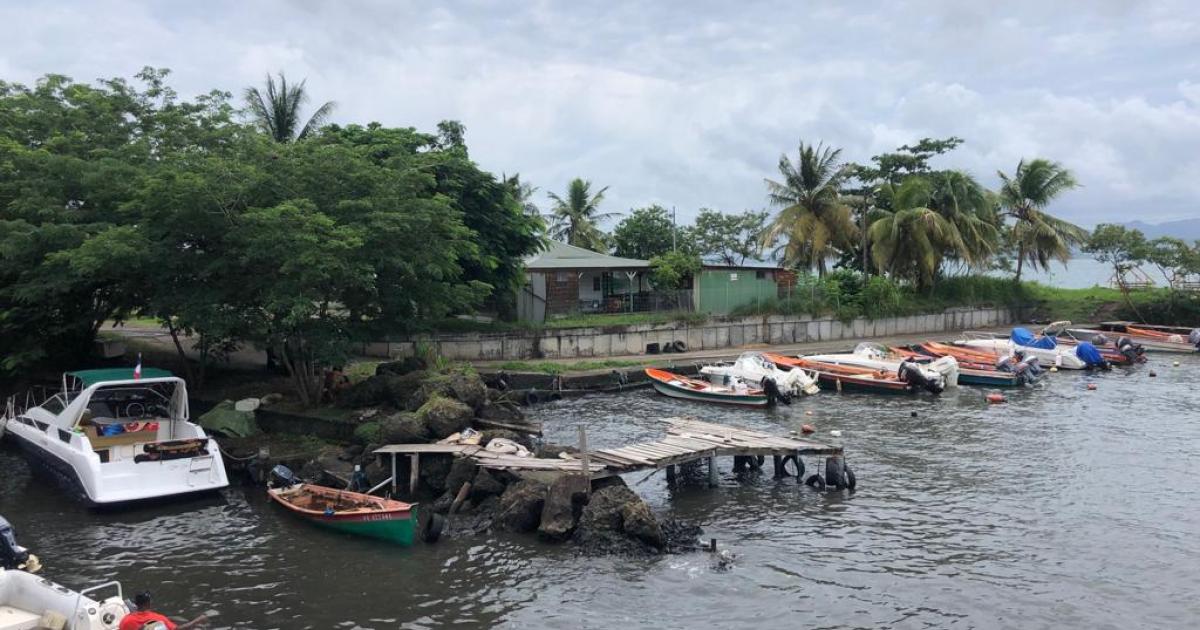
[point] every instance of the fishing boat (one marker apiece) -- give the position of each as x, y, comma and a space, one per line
1120, 350
117, 435
875, 356
1046, 349
848, 377
977, 367
677, 386
28, 601
342, 510
1153, 338
754, 368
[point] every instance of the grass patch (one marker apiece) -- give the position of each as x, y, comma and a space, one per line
548, 367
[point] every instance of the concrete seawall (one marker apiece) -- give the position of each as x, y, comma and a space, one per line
595, 342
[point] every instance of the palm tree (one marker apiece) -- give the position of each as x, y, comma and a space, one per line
1024, 196
523, 193
972, 209
814, 220
575, 218
277, 111
908, 238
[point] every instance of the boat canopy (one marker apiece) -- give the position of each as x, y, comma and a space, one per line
1089, 354
91, 377
1024, 337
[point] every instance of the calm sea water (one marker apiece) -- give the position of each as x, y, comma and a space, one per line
1064, 508
1082, 273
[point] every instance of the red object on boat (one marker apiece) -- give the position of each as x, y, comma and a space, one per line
1091, 386
995, 398
808, 428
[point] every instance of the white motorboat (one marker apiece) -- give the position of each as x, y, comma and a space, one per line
751, 368
1046, 349
876, 357
114, 436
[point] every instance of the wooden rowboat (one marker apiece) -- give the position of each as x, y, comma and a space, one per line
350, 512
845, 377
677, 386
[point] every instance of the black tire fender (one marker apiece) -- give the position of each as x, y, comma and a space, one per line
532, 398
815, 482
432, 528
851, 480
833, 473
679, 346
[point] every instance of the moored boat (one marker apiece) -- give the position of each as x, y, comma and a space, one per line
118, 435
970, 373
1046, 349
1153, 338
875, 356
345, 511
677, 386
753, 368
848, 377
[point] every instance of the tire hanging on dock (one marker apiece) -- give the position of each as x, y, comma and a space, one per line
851, 480
833, 473
815, 482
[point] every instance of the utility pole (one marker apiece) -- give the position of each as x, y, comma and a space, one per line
672, 228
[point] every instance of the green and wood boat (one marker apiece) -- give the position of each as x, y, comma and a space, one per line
677, 386
350, 512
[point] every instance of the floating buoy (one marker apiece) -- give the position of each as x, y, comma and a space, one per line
913, 414
808, 428
835, 433
1153, 374
995, 398
1091, 386
808, 412
1176, 364
1053, 368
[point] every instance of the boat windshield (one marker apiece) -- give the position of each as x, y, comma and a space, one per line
134, 402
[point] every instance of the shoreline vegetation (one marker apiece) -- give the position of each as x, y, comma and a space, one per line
259, 223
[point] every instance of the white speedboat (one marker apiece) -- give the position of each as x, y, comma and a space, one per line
876, 357
114, 437
1046, 349
752, 368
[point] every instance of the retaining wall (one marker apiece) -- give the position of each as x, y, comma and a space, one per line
582, 343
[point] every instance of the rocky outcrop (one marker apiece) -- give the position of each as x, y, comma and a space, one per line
404, 428
486, 484
445, 416
617, 520
564, 502
403, 366
520, 507
637, 521
466, 386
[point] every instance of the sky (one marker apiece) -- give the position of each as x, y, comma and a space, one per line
691, 105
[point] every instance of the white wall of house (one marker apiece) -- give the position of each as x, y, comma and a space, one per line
590, 284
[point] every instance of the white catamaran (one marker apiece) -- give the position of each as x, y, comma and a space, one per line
116, 435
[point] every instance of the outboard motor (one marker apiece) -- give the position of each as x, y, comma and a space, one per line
1132, 351
1194, 338
1100, 339
1091, 357
771, 389
283, 477
911, 373
12, 555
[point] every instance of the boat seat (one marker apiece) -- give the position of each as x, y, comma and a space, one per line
121, 439
17, 619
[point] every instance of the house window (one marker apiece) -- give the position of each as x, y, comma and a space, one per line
761, 275
562, 277
595, 283
733, 276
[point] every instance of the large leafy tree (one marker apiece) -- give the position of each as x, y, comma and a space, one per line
730, 238
1038, 236
645, 233
908, 238
575, 217
814, 222
277, 109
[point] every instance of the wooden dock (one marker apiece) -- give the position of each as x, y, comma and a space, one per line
688, 440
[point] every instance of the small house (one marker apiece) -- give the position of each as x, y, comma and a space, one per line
565, 279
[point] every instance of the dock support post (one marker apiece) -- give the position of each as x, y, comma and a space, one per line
713, 481
670, 473
777, 460
414, 471
584, 457
395, 483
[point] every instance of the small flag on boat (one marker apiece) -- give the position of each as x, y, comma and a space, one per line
137, 369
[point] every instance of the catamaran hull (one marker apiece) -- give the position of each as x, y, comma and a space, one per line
749, 400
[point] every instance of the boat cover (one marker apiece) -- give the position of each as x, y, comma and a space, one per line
1089, 354
226, 419
1023, 337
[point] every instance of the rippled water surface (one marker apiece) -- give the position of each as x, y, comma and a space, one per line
1062, 508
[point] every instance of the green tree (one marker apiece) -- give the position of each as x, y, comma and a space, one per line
576, 217
814, 223
644, 233
972, 210
910, 239
1038, 236
523, 192
732, 238
1122, 249
276, 110
674, 270
1173, 258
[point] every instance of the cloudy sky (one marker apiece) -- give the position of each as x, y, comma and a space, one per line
691, 104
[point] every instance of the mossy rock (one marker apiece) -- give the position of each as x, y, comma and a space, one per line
368, 433
430, 386
369, 393
467, 387
403, 428
444, 416
402, 388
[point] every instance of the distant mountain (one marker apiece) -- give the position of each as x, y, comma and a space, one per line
1186, 229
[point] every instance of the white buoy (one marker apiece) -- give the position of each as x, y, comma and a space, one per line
835, 433
1176, 364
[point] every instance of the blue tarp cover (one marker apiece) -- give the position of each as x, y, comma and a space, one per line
1023, 337
1089, 354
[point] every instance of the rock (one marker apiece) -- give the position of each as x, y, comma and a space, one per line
435, 470
376, 470
462, 470
368, 393
564, 502
368, 432
551, 451
603, 510
271, 399
445, 416
502, 411
368, 455
486, 484
427, 386
520, 507
520, 438
467, 387
401, 389
442, 504
639, 522
403, 366
403, 428
351, 453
